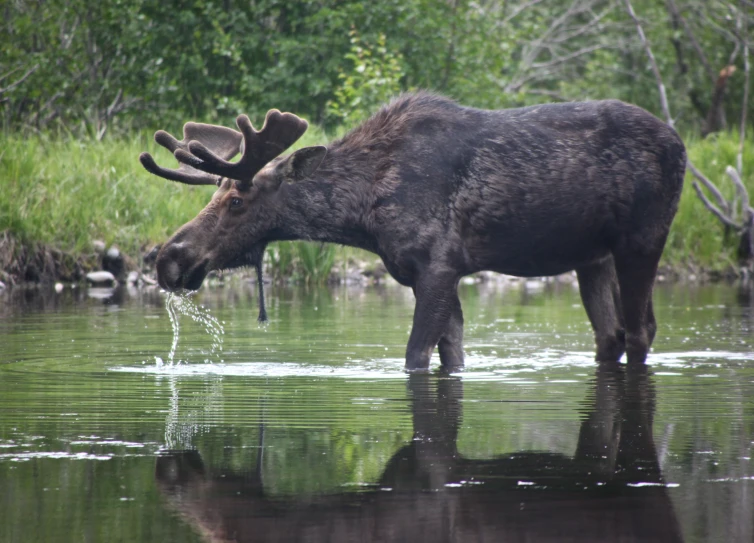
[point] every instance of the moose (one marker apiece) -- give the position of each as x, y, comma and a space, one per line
611, 488
440, 191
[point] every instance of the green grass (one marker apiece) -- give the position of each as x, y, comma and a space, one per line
698, 238
64, 193
68, 193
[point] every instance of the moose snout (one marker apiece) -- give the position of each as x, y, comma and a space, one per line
168, 268
178, 268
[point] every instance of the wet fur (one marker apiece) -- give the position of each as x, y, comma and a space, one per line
440, 191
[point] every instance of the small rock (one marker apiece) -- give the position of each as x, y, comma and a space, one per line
113, 262
133, 278
2, 286
99, 246
100, 278
58, 287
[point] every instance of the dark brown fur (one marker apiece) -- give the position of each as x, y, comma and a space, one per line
440, 191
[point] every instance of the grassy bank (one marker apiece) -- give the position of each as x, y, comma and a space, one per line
58, 195
698, 239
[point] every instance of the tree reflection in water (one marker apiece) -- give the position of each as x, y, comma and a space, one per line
610, 490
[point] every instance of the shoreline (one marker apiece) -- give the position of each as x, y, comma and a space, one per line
25, 265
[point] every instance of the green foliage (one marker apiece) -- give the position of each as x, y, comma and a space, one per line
91, 68
373, 79
76, 69
698, 238
302, 261
66, 192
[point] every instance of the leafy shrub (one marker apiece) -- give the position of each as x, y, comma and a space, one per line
375, 76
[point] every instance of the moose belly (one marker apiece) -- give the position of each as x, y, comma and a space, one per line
533, 254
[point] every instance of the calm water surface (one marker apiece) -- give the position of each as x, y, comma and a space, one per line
308, 430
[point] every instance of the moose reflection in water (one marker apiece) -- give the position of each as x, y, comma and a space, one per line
610, 490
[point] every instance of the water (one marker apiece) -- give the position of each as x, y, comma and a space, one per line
307, 429
184, 305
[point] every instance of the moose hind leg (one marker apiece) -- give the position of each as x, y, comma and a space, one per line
598, 286
636, 275
651, 321
451, 343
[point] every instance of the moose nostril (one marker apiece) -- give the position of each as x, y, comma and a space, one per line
172, 273
169, 267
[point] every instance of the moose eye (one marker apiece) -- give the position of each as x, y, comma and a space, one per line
235, 202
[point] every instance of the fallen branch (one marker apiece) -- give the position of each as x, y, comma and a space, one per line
713, 208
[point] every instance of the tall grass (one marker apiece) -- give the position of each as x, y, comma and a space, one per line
697, 238
65, 193
68, 193
306, 261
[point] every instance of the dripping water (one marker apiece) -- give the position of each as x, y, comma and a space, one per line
182, 305
175, 324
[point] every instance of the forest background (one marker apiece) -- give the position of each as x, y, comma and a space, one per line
84, 84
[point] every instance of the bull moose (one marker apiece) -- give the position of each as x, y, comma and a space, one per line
440, 191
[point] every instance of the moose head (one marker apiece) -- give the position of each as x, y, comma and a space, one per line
231, 230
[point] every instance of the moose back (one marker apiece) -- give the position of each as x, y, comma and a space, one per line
440, 191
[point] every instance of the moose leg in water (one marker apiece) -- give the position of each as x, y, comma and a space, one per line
451, 343
636, 273
437, 317
598, 286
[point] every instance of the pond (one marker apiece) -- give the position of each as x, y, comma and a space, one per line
307, 429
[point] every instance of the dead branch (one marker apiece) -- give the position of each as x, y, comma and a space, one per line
715, 119
569, 56
676, 14
561, 43
722, 202
653, 63
518, 10
717, 212
17, 82
745, 100
743, 194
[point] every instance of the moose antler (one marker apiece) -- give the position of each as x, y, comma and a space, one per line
279, 132
224, 141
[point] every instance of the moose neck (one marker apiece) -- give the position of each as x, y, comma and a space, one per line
329, 206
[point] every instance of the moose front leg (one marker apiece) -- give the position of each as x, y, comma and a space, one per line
437, 319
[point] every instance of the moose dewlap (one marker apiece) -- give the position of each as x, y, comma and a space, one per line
440, 191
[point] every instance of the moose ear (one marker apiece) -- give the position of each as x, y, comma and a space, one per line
302, 163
